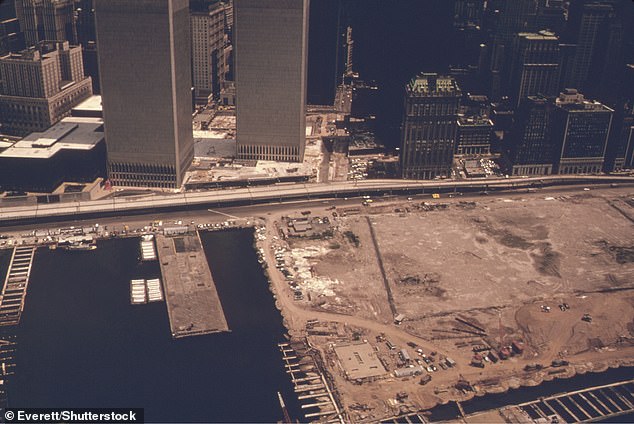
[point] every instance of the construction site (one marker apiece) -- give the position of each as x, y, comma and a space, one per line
419, 302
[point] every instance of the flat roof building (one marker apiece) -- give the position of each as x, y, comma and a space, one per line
581, 128
145, 67
89, 108
73, 150
271, 44
474, 135
360, 362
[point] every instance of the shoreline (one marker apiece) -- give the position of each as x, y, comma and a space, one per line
504, 385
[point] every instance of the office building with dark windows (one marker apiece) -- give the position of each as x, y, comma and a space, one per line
47, 20
533, 149
211, 50
429, 126
474, 136
581, 128
534, 65
145, 67
271, 43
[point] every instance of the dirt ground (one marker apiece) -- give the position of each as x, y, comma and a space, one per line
476, 272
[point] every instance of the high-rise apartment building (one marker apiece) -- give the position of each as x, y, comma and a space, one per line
429, 126
47, 20
534, 66
271, 43
40, 85
581, 129
533, 148
145, 67
210, 50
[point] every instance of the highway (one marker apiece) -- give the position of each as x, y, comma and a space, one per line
281, 193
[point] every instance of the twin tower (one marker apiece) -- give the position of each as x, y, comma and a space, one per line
145, 67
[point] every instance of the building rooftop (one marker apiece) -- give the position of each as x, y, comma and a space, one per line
572, 100
359, 361
91, 104
70, 133
474, 121
429, 84
541, 35
41, 51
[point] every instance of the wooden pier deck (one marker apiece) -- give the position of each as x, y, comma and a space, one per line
193, 304
312, 388
587, 405
15, 285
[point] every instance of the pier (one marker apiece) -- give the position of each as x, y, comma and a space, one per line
193, 304
584, 406
581, 406
310, 384
138, 292
154, 290
15, 285
148, 251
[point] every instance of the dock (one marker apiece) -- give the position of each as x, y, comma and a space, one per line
587, 405
193, 304
15, 285
148, 251
311, 386
154, 290
138, 292
584, 406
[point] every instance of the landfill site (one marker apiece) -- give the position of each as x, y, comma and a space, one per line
418, 302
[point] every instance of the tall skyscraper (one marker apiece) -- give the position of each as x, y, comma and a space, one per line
145, 67
551, 15
47, 20
581, 129
271, 43
533, 150
429, 126
598, 51
210, 50
507, 18
40, 85
535, 65
85, 22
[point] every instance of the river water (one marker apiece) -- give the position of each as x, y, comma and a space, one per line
81, 343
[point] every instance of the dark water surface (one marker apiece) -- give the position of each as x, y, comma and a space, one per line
81, 343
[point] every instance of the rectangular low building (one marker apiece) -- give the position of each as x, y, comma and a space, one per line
89, 108
73, 150
360, 362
